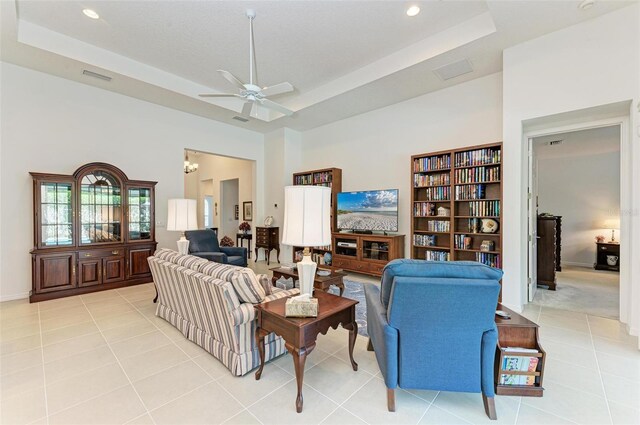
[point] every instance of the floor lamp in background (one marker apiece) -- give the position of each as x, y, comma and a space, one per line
182, 217
307, 223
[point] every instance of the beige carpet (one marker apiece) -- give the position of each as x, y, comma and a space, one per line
583, 290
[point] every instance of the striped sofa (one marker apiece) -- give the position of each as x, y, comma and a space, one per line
204, 300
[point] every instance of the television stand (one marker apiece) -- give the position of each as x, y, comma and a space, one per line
365, 253
362, 232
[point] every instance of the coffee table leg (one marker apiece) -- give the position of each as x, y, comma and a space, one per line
353, 333
341, 287
260, 334
299, 357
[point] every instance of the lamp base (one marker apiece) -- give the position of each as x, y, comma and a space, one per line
183, 245
306, 273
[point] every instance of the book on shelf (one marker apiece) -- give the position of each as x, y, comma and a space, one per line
478, 157
437, 193
425, 240
484, 208
518, 364
437, 255
431, 163
424, 209
323, 177
491, 260
479, 174
439, 226
473, 191
425, 180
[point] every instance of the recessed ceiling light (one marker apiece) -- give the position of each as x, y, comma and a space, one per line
413, 11
91, 13
586, 4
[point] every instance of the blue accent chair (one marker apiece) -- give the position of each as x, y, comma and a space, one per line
432, 327
204, 244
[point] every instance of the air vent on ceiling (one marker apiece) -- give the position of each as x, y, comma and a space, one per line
239, 118
555, 142
96, 75
453, 70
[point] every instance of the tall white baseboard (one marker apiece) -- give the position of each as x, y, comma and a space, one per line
571, 263
14, 297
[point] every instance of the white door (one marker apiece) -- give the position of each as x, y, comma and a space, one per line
532, 194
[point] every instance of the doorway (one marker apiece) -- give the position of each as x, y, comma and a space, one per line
229, 196
574, 199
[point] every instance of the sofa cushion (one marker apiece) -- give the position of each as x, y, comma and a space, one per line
265, 282
190, 261
219, 270
247, 286
433, 269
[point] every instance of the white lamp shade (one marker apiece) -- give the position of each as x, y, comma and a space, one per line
307, 216
182, 215
612, 223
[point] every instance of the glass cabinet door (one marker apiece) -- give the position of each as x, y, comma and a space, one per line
56, 214
100, 208
139, 199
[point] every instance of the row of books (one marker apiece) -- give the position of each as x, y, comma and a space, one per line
478, 157
438, 226
462, 241
484, 208
315, 178
477, 175
425, 240
473, 191
423, 180
492, 260
431, 163
519, 364
436, 255
438, 193
424, 209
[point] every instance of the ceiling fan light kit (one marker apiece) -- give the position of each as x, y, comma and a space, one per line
251, 92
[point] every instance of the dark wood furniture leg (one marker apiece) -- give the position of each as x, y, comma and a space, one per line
391, 400
340, 286
256, 251
155, 300
369, 345
353, 333
278, 254
299, 357
260, 334
489, 407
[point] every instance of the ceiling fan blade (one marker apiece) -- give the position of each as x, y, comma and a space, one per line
232, 79
276, 107
220, 95
277, 89
246, 109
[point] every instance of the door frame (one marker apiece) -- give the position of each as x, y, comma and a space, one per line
625, 192
532, 223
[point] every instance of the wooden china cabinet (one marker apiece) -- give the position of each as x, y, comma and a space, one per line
93, 230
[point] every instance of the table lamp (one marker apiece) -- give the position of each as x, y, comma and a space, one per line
613, 224
182, 216
307, 223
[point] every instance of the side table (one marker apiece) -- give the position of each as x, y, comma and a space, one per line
322, 283
244, 237
300, 334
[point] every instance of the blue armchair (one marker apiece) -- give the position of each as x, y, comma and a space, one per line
204, 244
432, 326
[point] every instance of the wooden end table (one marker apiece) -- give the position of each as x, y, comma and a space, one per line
300, 334
322, 283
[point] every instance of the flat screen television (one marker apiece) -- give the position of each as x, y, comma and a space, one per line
372, 210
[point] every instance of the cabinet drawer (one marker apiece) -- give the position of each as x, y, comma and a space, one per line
113, 252
376, 268
342, 263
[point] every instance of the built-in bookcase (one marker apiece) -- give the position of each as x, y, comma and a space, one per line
329, 177
457, 205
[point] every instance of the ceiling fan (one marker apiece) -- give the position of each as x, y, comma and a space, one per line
251, 92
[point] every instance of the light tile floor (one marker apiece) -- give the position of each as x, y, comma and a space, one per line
106, 358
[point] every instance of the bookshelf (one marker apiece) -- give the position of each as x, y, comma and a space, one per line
456, 198
329, 177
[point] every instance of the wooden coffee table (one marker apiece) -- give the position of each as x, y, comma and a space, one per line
300, 334
319, 282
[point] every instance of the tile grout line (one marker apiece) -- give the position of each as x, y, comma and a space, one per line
604, 391
118, 360
428, 407
44, 374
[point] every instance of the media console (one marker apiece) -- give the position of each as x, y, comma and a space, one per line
365, 253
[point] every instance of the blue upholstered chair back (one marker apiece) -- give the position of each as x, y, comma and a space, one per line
202, 240
441, 311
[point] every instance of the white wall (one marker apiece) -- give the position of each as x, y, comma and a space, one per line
583, 66
54, 125
585, 191
374, 149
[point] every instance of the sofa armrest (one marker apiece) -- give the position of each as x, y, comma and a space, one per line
488, 354
383, 337
243, 314
281, 294
218, 257
233, 251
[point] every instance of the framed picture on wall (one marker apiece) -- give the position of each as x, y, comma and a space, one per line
237, 212
247, 211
